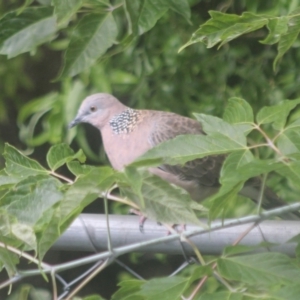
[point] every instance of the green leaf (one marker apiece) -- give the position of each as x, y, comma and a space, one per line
50, 232
163, 202
93, 297
288, 140
239, 112
184, 148
6, 221
222, 28
212, 125
276, 114
290, 170
288, 38
135, 181
77, 168
198, 273
24, 32
145, 13
181, 7
239, 249
19, 165
277, 27
26, 291
25, 233
168, 288
237, 169
263, 269
60, 154
289, 292
39, 105
31, 197
7, 181
221, 296
25, 5
223, 198
9, 260
127, 289
93, 35
240, 166
64, 9
85, 190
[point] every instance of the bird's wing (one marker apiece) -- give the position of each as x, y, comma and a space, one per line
204, 171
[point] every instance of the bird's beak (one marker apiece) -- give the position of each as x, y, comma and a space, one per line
76, 121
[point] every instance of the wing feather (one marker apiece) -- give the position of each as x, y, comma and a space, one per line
204, 171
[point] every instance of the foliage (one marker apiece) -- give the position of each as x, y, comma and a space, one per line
131, 47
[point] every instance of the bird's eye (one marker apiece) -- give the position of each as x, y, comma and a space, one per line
93, 108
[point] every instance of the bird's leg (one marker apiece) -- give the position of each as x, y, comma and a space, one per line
142, 219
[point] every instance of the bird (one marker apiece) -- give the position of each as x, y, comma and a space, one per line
128, 133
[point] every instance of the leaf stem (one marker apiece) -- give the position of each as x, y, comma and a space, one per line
121, 200
269, 141
61, 177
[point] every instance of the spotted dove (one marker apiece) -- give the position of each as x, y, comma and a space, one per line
128, 133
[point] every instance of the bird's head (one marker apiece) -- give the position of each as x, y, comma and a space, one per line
97, 109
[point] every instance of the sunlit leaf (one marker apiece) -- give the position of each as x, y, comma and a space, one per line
25, 233
22, 33
31, 197
60, 154
20, 165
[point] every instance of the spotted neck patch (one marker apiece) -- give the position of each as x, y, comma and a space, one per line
126, 121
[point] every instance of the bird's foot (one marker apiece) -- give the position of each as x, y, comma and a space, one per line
142, 219
173, 228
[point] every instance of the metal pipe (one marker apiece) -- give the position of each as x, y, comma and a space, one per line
89, 233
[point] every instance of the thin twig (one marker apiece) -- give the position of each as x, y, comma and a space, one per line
133, 247
88, 279
54, 286
109, 243
203, 280
261, 192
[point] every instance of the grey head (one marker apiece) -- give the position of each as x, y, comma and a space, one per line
97, 109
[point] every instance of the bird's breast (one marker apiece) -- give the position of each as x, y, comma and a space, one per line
123, 149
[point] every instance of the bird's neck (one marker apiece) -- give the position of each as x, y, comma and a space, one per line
126, 121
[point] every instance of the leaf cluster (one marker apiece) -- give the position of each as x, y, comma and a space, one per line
38, 203
131, 47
